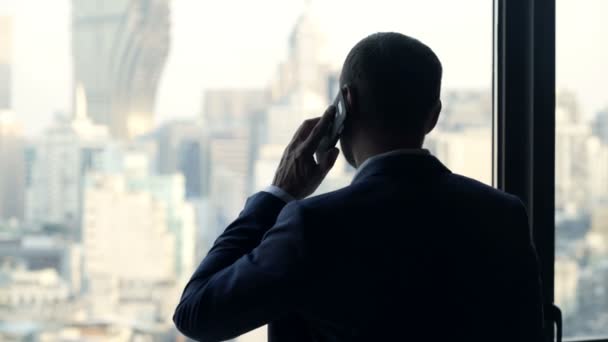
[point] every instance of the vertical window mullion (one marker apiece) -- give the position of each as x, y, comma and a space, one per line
544, 141
524, 95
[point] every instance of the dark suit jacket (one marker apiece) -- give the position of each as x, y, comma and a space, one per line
408, 252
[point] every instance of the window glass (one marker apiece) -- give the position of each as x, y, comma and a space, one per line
132, 131
581, 167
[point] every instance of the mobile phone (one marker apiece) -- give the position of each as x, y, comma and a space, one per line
330, 139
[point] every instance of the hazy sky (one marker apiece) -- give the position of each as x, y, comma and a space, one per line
239, 43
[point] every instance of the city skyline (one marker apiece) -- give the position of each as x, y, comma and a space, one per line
191, 68
116, 226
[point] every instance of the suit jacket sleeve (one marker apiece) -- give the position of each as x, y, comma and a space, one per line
251, 275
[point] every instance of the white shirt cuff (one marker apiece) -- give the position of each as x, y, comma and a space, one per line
280, 193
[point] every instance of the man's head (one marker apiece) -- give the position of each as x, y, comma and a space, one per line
391, 84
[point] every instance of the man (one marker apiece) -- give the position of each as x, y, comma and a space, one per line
408, 252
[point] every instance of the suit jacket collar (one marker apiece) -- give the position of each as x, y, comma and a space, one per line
401, 165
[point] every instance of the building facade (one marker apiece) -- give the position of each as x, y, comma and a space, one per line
119, 51
6, 37
139, 238
12, 159
180, 150
59, 160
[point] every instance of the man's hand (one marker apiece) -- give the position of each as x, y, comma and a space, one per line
298, 174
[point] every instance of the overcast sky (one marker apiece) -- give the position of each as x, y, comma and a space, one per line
239, 43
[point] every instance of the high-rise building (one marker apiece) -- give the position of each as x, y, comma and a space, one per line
230, 172
119, 50
566, 282
6, 35
12, 161
179, 146
6, 41
11, 140
600, 126
465, 109
596, 159
599, 225
58, 161
229, 109
573, 161
126, 242
467, 152
234, 123
284, 117
305, 66
139, 240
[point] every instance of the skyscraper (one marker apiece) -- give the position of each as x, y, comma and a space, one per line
574, 157
5, 62
127, 243
12, 162
464, 151
230, 161
232, 109
119, 49
600, 125
12, 149
179, 148
305, 67
59, 161
139, 239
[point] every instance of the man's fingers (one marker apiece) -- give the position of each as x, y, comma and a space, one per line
303, 132
328, 160
314, 138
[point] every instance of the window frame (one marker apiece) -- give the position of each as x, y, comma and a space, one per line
524, 35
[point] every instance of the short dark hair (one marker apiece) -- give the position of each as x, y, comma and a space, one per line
398, 78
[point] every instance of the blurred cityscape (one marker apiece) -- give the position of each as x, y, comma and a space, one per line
104, 216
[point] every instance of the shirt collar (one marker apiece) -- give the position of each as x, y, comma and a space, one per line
403, 151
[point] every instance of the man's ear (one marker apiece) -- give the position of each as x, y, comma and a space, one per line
434, 117
348, 93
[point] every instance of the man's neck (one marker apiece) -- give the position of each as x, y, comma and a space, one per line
371, 151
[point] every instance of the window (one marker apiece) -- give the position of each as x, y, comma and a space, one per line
581, 167
135, 130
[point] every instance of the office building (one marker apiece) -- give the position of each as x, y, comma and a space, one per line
126, 243
600, 126
43, 252
60, 159
463, 109
33, 294
597, 170
119, 51
12, 159
39, 288
6, 38
235, 124
305, 66
599, 229
230, 174
230, 109
467, 152
566, 282
573, 159
180, 150
285, 116
139, 240
11, 139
